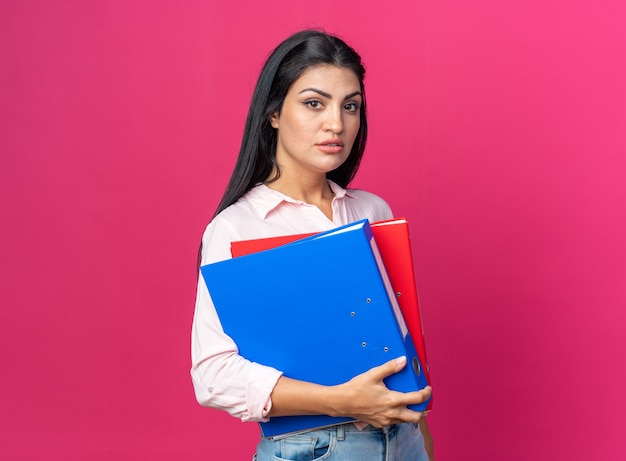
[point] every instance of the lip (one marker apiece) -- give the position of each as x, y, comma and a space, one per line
330, 146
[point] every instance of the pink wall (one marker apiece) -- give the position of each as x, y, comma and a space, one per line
497, 127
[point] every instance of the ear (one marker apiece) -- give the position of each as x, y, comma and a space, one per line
274, 119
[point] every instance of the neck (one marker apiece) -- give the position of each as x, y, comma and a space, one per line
311, 189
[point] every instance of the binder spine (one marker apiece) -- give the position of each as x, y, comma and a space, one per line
389, 289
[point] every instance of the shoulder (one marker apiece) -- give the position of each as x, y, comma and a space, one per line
225, 228
216, 240
368, 204
368, 197
243, 220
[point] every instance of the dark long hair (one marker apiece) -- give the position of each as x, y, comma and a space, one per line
257, 154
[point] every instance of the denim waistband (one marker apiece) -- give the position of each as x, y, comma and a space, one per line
341, 429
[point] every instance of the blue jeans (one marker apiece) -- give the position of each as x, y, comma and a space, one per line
400, 442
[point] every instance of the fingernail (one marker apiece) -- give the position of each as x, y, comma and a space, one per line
401, 360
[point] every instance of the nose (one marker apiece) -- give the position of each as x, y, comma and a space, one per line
334, 120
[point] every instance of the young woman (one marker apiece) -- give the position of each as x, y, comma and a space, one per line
303, 142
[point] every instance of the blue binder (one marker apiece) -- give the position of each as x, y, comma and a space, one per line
320, 309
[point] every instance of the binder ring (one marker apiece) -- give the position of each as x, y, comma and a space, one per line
416, 366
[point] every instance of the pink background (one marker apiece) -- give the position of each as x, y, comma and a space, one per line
498, 128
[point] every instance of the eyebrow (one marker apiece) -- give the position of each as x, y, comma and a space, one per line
329, 96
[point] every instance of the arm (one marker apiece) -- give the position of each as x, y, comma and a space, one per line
428, 439
365, 398
221, 377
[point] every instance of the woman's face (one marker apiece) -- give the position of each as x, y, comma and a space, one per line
319, 121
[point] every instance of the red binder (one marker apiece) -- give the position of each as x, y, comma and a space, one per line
393, 241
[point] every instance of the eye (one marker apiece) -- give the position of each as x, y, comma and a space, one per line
313, 104
351, 107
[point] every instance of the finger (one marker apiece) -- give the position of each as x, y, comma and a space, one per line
399, 415
388, 368
413, 398
410, 416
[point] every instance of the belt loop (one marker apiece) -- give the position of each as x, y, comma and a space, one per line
341, 432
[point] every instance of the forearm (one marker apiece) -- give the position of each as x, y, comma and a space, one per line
428, 439
364, 398
293, 397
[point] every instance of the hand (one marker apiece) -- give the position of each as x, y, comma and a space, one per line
368, 399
